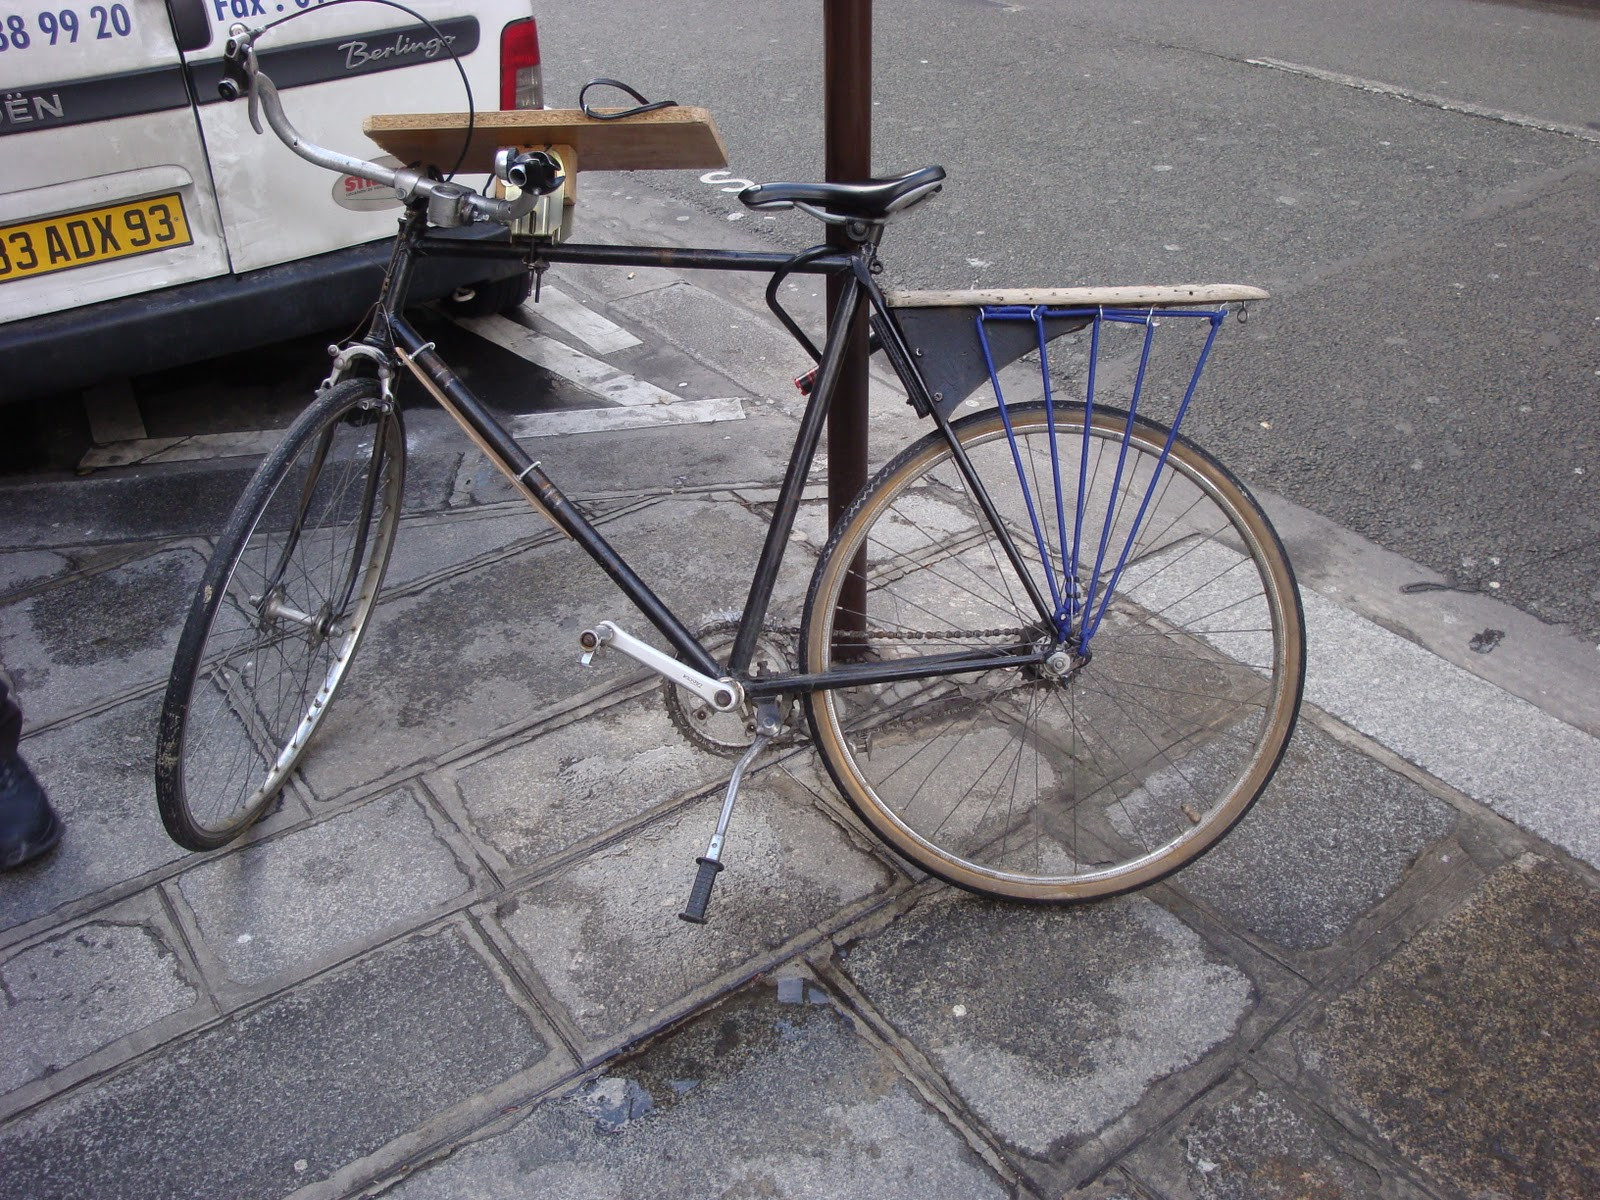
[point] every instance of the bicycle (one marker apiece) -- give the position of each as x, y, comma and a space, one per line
1052, 651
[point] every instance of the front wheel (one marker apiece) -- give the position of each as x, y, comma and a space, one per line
1112, 759
279, 614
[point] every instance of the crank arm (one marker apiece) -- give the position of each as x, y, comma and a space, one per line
724, 695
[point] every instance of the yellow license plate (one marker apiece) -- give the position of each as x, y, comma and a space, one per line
30, 248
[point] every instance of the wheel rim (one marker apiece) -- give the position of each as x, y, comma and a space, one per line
1096, 773
288, 619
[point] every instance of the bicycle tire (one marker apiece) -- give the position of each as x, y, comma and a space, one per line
279, 613
1104, 779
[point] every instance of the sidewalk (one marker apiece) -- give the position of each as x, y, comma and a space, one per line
449, 965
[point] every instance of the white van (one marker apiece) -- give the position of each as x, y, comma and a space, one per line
144, 224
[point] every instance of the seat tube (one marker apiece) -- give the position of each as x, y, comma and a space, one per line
794, 480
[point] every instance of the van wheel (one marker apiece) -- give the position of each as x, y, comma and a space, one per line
489, 297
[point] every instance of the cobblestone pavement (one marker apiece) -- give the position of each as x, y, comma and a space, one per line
449, 963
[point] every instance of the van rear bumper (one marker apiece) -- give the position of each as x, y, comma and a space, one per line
135, 335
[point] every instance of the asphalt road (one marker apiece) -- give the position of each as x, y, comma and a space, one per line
1416, 182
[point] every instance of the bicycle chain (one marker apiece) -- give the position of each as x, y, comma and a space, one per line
891, 635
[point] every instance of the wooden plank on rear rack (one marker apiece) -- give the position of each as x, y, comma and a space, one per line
667, 139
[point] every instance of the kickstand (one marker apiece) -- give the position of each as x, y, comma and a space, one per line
768, 726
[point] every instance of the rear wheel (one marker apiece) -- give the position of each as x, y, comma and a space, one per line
1111, 761
279, 614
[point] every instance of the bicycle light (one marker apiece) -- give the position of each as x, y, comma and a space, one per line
540, 171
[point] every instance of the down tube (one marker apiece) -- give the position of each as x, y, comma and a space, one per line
529, 479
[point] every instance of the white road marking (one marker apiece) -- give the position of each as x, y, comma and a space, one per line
1427, 99
635, 404
591, 374
589, 327
599, 420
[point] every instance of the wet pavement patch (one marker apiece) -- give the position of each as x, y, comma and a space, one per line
1473, 1048
1333, 836
1050, 1023
96, 635
752, 1098
99, 774
269, 1102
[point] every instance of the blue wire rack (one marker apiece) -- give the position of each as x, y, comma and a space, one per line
1080, 609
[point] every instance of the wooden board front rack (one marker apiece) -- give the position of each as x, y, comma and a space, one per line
677, 138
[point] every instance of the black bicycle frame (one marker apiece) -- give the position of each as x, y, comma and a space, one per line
531, 480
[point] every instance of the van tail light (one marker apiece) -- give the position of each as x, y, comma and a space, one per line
521, 81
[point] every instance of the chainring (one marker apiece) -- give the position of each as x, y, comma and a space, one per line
728, 733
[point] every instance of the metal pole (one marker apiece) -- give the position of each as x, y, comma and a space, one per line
847, 140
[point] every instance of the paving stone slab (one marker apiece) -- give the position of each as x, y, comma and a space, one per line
604, 935
1244, 1141
1050, 1023
281, 908
99, 634
135, 504
1113, 1186
537, 798
283, 1096
100, 776
427, 543
435, 542
1472, 1049
479, 651
753, 1098
1502, 751
1333, 836
661, 459
169, 500
77, 991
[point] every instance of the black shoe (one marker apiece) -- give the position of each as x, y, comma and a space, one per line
28, 825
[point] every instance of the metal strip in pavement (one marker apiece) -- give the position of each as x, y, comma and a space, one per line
1426, 98
595, 376
199, 446
589, 327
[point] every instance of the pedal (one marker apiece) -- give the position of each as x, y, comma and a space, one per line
590, 641
768, 725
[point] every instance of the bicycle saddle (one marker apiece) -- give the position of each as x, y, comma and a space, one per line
872, 200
